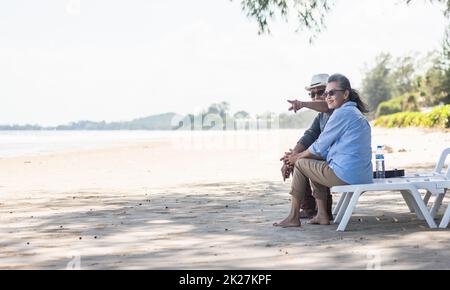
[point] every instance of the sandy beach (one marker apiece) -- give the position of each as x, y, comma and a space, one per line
203, 202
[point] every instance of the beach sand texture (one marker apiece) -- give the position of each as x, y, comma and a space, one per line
203, 203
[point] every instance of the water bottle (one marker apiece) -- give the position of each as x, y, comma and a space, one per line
379, 163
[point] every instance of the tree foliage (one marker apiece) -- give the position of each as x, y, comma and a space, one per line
446, 45
403, 74
377, 85
310, 13
394, 85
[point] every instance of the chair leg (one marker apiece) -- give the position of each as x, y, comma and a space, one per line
339, 204
343, 208
445, 219
349, 210
422, 208
407, 199
437, 204
426, 198
415, 208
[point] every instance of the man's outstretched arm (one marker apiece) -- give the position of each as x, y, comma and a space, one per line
319, 106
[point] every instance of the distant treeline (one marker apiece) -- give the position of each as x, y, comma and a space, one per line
216, 117
409, 83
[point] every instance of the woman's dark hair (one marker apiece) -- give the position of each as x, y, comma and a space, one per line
344, 84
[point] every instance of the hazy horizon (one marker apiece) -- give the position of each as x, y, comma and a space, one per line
65, 61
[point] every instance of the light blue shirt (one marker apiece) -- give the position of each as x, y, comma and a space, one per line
345, 143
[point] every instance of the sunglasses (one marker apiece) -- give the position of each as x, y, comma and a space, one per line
331, 93
316, 94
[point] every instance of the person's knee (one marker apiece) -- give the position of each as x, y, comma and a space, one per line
301, 164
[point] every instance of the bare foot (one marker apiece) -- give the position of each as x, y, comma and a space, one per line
319, 220
288, 223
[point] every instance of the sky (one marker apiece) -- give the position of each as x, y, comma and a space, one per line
69, 60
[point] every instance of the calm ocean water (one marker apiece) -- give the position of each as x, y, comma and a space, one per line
26, 143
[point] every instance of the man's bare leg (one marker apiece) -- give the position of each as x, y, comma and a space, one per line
293, 219
322, 217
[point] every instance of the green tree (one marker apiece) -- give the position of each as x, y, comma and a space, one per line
310, 13
220, 109
446, 53
377, 84
402, 76
434, 84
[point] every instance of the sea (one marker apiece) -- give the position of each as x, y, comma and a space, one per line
30, 143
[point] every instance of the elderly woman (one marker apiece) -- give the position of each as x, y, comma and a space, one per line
344, 144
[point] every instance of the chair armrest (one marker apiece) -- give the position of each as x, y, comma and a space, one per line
441, 163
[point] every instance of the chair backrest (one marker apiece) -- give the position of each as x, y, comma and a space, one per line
441, 163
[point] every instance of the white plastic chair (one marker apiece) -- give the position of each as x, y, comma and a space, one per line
435, 183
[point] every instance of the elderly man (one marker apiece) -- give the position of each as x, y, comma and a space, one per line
316, 90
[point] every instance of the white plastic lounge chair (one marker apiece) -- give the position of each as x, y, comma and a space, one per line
435, 183
438, 170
